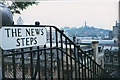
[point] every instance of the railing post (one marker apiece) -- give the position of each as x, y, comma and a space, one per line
37, 23
95, 49
78, 57
0, 63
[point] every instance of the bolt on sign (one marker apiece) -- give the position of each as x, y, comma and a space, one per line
21, 37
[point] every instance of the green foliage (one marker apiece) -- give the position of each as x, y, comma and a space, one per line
17, 6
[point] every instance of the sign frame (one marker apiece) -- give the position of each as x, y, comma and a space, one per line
22, 36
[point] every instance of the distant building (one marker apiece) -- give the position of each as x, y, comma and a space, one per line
111, 61
114, 33
19, 21
85, 25
110, 35
115, 30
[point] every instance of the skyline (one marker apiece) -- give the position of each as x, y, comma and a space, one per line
72, 14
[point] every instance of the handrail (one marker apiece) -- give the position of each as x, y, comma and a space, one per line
76, 59
68, 56
81, 50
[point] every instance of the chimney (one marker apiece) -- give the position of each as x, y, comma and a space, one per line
85, 24
116, 23
74, 39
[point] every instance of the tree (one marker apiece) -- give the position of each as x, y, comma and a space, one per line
16, 7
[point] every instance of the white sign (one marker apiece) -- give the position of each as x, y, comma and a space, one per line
21, 37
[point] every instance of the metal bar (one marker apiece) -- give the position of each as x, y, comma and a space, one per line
91, 68
71, 62
17, 53
75, 62
85, 65
58, 64
37, 68
51, 53
67, 59
95, 71
88, 66
78, 61
62, 55
40, 69
3, 68
45, 63
38, 63
23, 67
99, 74
31, 62
14, 66
81, 57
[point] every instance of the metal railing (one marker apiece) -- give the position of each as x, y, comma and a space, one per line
59, 59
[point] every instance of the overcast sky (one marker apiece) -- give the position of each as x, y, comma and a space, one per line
72, 14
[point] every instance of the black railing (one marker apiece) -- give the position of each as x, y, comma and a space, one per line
59, 59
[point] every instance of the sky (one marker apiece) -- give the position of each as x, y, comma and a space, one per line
100, 14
